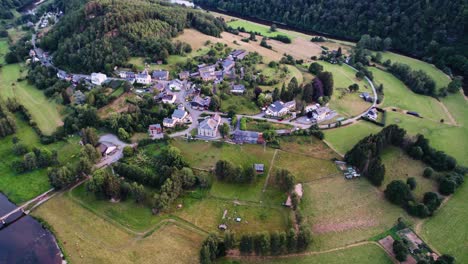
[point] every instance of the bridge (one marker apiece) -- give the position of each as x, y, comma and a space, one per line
24, 206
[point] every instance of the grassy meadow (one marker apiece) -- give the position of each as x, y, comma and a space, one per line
45, 112
344, 138
259, 28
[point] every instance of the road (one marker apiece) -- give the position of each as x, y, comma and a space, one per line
113, 140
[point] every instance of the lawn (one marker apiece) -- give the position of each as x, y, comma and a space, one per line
208, 215
88, 238
399, 96
23, 187
343, 212
342, 101
399, 166
129, 214
46, 113
441, 79
344, 138
259, 28
204, 155
240, 105
263, 125
305, 168
364, 254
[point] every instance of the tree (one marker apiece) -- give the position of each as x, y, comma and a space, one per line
291, 241
215, 103
455, 85
229, 240
224, 130
138, 192
262, 243
89, 136
61, 177
91, 153
447, 186
400, 250
308, 95
285, 180
445, 259
354, 87
398, 193
327, 80
411, 181
269, 135
246, 244
30, 161
276, 94
128, 151
294, 200
315, 68
432, 201
275, 243
428, 172
123, 135
273, 28
304, 238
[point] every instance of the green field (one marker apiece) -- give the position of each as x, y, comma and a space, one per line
441, 79
46, 113
344, 138
399, 166
343, 102
88, 238
342, 212
240, 104
251, 26
363, 254
396, 94
23, 187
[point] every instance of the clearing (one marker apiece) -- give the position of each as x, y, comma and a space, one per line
45, 112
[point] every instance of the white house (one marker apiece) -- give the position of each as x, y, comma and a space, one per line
238, 89
169, 98
179, 115
176, 85
143, 78
98, 78
278, 108
169, 122
209, 126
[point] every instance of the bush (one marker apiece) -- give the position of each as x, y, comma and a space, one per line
411, 183
398, 193
400, 250
428, 172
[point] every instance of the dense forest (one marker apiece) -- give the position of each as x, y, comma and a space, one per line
98, 35
432, 30
7, 5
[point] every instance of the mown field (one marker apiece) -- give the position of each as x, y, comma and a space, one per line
45, 112
23, 187
259, 28
363, 254
88, 238
396, 94
439, 77
344, 138
345, 103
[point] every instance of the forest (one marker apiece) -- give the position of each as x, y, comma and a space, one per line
7, 5
98, 35
431, 30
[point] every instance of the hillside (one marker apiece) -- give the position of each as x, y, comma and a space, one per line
6, 5
433, 30
98, 35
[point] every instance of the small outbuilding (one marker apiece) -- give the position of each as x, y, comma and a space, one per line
259, 168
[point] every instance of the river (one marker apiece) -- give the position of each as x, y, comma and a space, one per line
24, 240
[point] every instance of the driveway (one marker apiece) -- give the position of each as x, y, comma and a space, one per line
117, 155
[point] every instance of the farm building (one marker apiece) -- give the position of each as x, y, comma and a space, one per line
259, 168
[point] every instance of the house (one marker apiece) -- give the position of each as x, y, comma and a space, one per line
320, 113
259, 168
184, 75
169, 122
239, 54
209, 126
176, 85
238, 89
155, 130
161, 75
126, 74
278, 108
200, 103
98, 78
366, 97
372, 114
228, 65
143, 78
298, 191
179, 115
169, 98
62, 75
248, 137
207, 73
106, 149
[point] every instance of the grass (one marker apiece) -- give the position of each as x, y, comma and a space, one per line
441, 79
305, 168
208, 215
139, 63
239, 104
364, 254
345, 103
23, 187
344, 138
343, 212
88, 238
3, 50
399, 166
308, 146
135, 216
259, 28
203, 155
44, 111
271, 73
398, 95
262, 125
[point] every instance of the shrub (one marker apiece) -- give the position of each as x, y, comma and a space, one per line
428, 172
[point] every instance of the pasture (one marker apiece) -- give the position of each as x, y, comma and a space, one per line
344, 138
254, 27
363, 254
23, 187
342, 212
344, 102
397, 95
45, 112
88, 238
441, 79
